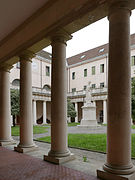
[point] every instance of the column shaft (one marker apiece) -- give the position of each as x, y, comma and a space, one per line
118, 165
119, 92
34, 113
76, 109
59, 148
44, 112
26, 125
26, 122
59, 99
105, 111
5, 107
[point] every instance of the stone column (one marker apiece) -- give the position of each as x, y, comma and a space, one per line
44, 112
118, 164
34, 113
76, 109
26, 123
105, 111
59, 149
5, 108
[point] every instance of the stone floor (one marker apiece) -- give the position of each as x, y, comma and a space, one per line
17, 166
94, 160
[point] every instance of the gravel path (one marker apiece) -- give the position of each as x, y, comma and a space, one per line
80, 130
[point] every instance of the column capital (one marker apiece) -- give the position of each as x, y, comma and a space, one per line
120, 5
61, 36
26, 55
6, 68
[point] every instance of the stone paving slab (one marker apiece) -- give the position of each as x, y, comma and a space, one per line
17, 166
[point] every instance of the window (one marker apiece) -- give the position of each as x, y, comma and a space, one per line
93, 86
101, 50
73, 89
85, 72
82, 56
47, 71
133, 61
101, 68
102, 85
93, 70
16, 82
73, 75
84, 87
18, 65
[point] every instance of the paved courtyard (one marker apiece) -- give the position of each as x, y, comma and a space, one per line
17, 166
94, 160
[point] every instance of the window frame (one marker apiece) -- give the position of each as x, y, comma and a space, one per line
93, 86
47, 70
73, 75
132, 60
102, 68
102, 85
85, 72
93, 70
73, 90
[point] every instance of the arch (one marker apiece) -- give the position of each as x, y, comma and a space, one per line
47, 87
16, 82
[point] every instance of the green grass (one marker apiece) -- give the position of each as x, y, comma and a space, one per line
94, 142
73, 124
15, 131
133, 126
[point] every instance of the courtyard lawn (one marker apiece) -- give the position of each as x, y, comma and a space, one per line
36, 130
73, 124
133, 126
94, 142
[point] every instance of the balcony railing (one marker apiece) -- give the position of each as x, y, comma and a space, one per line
99, 91
40, 90
77, 93
34, 90
94, 92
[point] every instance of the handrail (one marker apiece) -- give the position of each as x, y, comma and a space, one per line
76, 93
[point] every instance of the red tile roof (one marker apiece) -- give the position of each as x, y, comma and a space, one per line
92, 53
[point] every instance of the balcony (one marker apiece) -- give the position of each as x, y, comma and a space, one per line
35, 90
94, 92
99, 91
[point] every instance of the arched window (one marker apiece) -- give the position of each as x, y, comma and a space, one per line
16, 82
47, 87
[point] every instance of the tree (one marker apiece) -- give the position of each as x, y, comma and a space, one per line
15, 103
70, 109
133, 99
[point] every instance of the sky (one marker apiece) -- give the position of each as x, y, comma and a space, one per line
91, 36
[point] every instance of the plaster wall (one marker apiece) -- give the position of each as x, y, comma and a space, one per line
80, 81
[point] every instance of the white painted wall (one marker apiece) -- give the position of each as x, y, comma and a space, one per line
39, 78
80, 81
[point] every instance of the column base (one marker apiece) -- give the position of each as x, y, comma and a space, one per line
6, 143
59, 160
25, 149
107, 175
